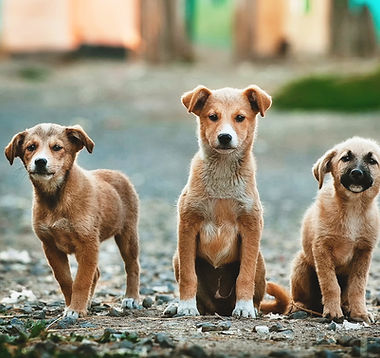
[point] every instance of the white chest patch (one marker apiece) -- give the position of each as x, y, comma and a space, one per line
353, 226
353, 223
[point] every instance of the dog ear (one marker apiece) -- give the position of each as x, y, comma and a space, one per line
79, 137
323, 166
195, 100
259, 100
13, 149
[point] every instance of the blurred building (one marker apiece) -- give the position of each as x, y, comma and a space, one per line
63, 25
161, 30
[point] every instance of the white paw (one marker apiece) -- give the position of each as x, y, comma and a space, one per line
187, 308
71, 314
129, 303
244, 309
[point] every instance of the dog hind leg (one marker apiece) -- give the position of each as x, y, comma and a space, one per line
128, 245
304, 284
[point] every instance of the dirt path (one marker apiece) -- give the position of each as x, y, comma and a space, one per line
135, 118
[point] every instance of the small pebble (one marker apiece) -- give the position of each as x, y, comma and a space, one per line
284, 335
325, 339
212, 327
276, 328
263, 330
195, 351
170, 310
66, 322
373, 348
164, 341
332, 326
113, 312
327, 354
299, 315
39, 314
146, 291
160, 299
87, 325
344, 340
281, 354
147, 302
27, 309
86, 350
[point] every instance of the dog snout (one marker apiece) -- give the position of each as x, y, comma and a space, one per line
224, 138
356, 174
40, 163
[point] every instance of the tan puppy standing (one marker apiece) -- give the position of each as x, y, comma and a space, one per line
339, 232
218, 263
74, 210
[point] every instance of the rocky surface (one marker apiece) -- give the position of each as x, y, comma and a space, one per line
134, 116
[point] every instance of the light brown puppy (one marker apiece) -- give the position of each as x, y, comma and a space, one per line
74, 210
218, 263
339, 232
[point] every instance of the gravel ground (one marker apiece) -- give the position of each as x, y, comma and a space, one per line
133, 114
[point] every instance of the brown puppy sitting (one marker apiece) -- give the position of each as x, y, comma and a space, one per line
74, 210
339, 232
218, 263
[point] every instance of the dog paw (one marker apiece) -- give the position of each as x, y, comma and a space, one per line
362, 317
69, 313
187, 308
333, 311
129, 303
244, 309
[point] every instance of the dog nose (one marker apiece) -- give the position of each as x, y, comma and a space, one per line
356, 173
224, 139
40, 163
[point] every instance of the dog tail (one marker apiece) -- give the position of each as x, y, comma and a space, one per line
280, 304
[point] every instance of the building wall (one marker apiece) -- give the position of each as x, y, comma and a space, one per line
307, 26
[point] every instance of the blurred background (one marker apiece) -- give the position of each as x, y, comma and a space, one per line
119, 67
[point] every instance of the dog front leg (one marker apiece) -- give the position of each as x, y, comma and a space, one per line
187, 246
357, 281
59, 263
87, 257
250, 229
330, 289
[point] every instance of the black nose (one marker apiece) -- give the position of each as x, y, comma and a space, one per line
356, 174
224, 139
40, 163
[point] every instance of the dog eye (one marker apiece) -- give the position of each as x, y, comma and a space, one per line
213, 117
372, 161
239, 118
31, 148
56, 147
346, 158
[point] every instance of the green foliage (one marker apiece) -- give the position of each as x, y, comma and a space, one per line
37, 329
335, 93
33, 73
213, 23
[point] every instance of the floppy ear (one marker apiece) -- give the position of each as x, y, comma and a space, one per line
79, 137
260, 100
13, 149
195, 100
323, 166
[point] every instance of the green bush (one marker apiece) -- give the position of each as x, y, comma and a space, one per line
334, 93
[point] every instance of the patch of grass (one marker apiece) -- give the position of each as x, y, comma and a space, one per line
334, 93
33, 73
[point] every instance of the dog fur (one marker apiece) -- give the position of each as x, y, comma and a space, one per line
74, 210
218, 263
339, 232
